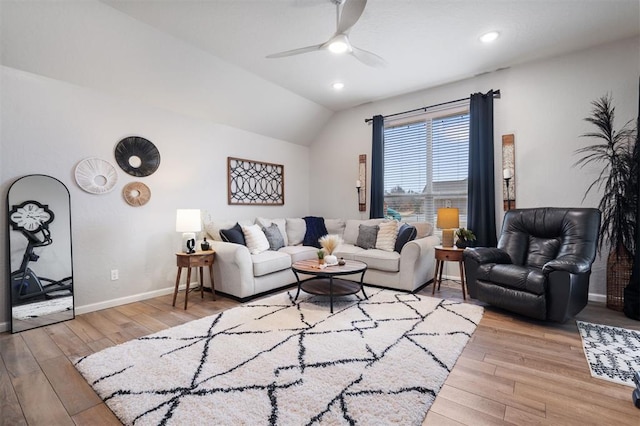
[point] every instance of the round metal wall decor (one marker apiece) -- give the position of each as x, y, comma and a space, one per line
96, 176
136, 194
137, 156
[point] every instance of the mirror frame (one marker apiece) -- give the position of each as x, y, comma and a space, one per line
38, 235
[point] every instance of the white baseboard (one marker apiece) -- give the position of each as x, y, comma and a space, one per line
6, 326
598, 298
129, 299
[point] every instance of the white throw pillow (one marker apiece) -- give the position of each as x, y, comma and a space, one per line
256, 240
296, 229
387, 233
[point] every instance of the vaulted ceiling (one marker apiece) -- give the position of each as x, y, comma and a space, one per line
425, 43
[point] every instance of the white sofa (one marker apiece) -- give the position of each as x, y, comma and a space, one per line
242, 275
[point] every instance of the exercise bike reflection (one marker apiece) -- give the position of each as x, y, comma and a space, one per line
27, 286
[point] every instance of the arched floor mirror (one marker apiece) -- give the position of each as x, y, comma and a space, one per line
39, 251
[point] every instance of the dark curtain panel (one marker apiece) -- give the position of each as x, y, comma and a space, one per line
481, 198
632, 290
376, 208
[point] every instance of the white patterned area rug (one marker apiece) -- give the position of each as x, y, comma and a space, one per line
613, 353
275, 361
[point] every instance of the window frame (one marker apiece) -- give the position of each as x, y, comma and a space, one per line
438, 199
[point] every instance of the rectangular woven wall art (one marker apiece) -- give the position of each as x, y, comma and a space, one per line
254, 183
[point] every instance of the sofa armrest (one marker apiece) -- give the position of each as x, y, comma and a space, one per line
569, 263
417, 261
233, 269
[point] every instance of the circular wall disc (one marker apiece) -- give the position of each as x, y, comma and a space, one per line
136, 194
137, 156
96, 176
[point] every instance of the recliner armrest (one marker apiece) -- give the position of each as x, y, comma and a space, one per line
487, 255
569, 263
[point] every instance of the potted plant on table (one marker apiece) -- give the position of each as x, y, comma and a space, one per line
465, 238
617, 154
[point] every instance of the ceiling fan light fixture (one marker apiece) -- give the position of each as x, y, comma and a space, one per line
489, 37
339, 44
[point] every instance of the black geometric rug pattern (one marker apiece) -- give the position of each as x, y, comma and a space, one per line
613, 353
274, 361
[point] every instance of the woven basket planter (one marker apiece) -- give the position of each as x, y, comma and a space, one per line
619, 267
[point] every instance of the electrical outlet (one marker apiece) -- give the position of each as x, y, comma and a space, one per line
114, 274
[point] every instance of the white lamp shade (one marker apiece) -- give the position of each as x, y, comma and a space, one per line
188, 220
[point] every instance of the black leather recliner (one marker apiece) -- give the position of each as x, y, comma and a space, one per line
542, 264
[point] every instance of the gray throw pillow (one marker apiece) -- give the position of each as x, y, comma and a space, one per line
274, 236
367, 236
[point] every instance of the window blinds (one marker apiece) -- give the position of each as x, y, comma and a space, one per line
426, 166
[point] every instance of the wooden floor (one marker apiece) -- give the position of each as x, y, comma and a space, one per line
513, 371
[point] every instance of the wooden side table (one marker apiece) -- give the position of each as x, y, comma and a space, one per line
448, 254
194, 260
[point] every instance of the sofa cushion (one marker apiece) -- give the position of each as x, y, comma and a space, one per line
269, 261
367, 236
387, 233
272, 232
281, 222
335, 226
233, 235
379, 259
406, 233
315, 230
423, 229
296, 228
256, 240
300, 252
347, 251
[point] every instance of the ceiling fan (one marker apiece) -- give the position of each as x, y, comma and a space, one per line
339, 42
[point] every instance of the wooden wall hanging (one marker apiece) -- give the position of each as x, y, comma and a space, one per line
254, 182
362, 179
508, 172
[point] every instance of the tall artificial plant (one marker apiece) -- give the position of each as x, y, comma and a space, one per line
617, 153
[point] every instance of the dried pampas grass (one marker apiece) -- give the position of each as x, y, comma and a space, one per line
329, 242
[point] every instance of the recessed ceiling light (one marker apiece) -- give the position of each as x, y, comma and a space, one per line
489, 37
338, 85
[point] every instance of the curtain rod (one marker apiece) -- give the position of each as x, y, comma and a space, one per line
496, 94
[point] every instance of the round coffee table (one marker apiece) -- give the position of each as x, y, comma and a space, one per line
323, 282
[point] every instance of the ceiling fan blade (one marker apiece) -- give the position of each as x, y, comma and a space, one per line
295, 51
368, 58
351, 12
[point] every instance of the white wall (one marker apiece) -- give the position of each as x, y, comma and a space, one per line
543, 104
49, 126
88, 43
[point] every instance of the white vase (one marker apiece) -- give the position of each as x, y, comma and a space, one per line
331, 259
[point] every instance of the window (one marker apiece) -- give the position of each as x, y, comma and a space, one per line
426, 165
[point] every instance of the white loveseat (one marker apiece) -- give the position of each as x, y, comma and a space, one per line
242, 275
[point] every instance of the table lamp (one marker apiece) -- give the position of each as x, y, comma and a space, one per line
188, 222
448, 219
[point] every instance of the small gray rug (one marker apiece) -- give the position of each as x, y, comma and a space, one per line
276, 361
613, 353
